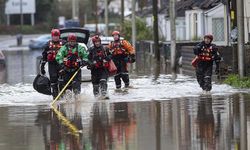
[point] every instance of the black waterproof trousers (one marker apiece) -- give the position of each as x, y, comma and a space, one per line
99, 78
53, 75
75, 84
122, 73
204, 74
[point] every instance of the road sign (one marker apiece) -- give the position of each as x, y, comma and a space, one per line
13, 7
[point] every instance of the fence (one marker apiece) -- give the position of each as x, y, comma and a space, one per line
185, 54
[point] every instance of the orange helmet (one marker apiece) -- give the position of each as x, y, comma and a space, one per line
210, 36
115, 33
55, 32
96, 38
72, 37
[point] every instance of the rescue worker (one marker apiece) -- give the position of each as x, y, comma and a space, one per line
99, 57
71, 57
206, 53
49, 54
122, 54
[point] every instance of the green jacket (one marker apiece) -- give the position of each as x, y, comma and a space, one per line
63, 52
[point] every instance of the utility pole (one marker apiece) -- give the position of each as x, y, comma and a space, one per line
73, 8
122, 14
173, 37
21, 14
241, 37
106, 18
133, 24
243, 124
156, 34
77, 9
96, 15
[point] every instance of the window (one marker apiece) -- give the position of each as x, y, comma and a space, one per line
218, 29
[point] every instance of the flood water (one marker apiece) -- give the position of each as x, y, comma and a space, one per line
157, 114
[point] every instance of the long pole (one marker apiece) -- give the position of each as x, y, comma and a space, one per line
173, 37
133, 23
156, 34
241, 37
106, 18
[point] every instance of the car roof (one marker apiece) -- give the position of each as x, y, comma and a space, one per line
44, 36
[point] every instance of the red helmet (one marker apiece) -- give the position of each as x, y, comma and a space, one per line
210, 36
96, 38
55, 32
71, 37
115, 33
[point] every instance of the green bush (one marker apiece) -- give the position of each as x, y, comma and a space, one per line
236, 81
26, 29
142, 31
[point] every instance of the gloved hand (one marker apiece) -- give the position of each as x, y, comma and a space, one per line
89, 67
62, 69
132, 58
83, 63
126, 59
42, 69
217, 70
108, 58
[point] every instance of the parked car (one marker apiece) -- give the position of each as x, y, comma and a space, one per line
72, 24
82, 39
39, 42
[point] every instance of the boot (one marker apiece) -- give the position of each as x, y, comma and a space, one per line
104, 87
96, 90
54, 87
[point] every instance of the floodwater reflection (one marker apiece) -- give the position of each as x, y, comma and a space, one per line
205, 122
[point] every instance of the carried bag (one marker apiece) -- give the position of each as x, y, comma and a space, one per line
112, 68
195, 62
42, 84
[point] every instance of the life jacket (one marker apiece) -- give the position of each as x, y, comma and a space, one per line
72, 59
117, 48
99, 55
53, 49
206, 53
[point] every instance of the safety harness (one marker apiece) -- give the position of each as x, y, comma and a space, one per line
206, 53
99, 55
71, 60
117, 48
53, 49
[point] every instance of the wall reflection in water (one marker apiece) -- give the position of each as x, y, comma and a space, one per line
20, 66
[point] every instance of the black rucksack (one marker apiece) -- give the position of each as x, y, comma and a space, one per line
42, 84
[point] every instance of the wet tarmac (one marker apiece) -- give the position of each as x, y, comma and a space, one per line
157, 114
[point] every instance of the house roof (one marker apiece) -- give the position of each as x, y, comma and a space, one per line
182, 6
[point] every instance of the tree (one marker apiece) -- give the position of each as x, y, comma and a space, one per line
142, 31
2, 14
44, 10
